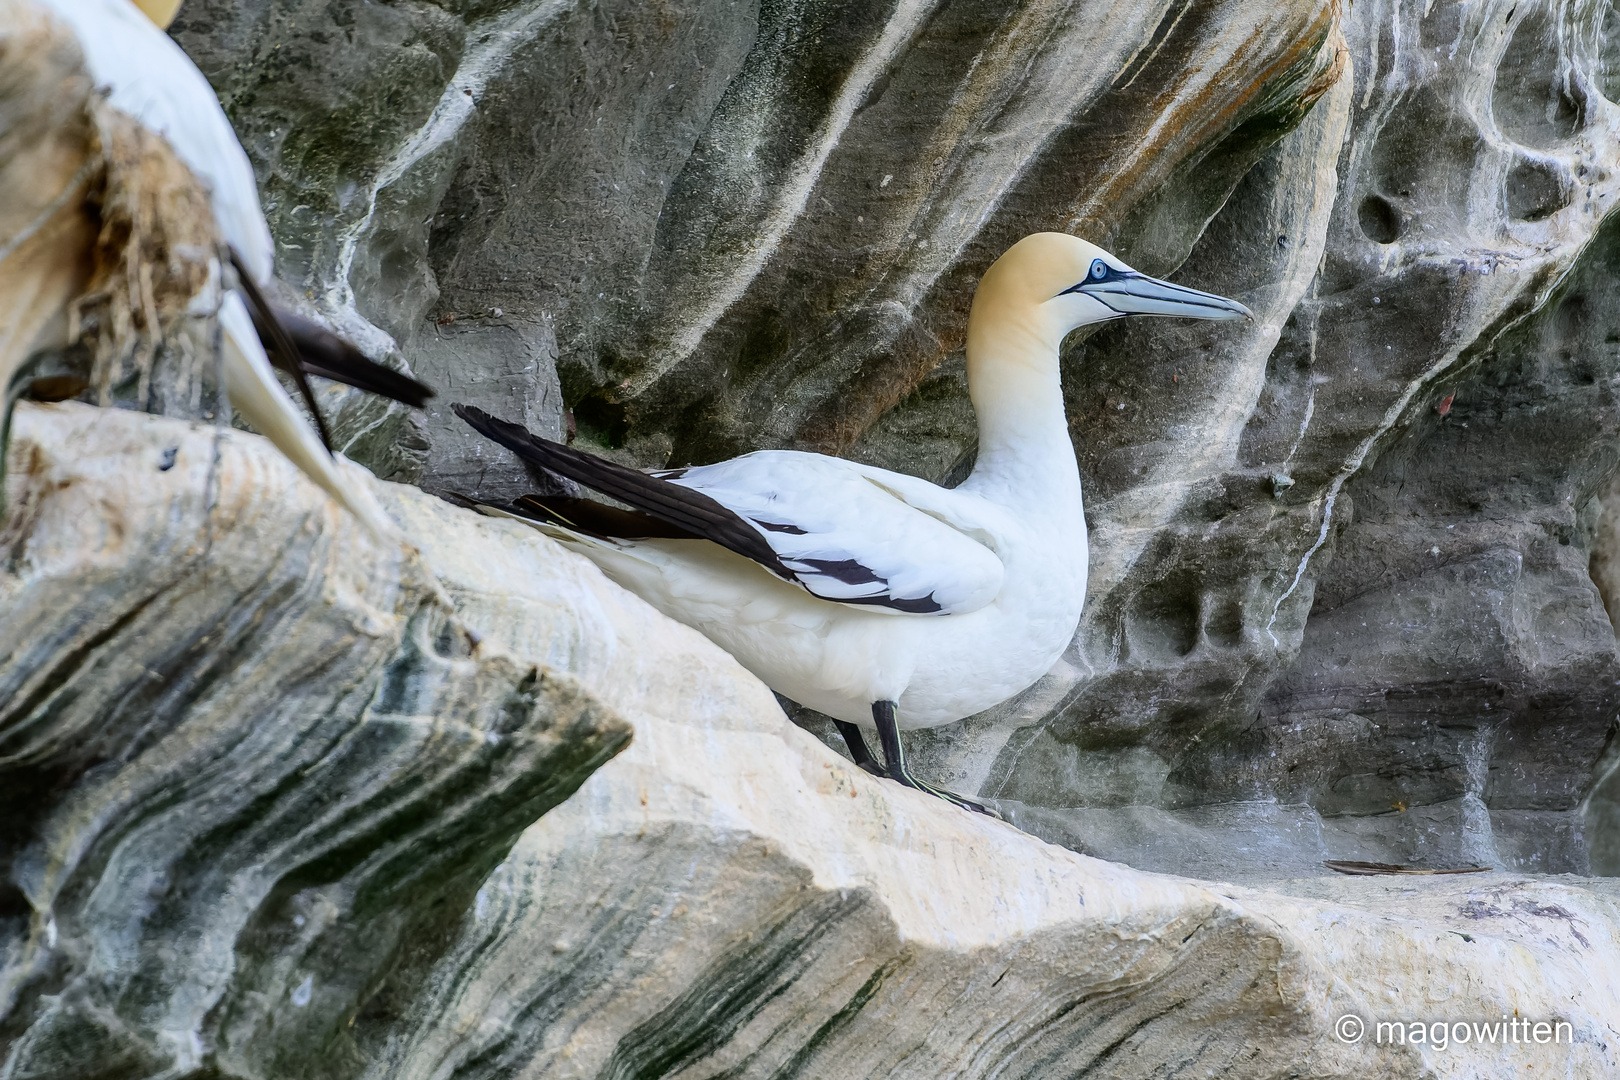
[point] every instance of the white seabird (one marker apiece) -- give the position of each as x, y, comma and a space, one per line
868, 595
149, 77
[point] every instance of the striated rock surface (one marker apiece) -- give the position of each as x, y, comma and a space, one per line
284, 801
254, 764
678, 920
270, 804
1340, 600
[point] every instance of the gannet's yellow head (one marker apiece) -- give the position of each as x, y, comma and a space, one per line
1051, 283
161, 12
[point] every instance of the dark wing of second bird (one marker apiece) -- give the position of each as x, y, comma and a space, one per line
302, 347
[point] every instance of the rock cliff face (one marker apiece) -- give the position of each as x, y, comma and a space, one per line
284, 799
269, 808
1340, 602
255, 765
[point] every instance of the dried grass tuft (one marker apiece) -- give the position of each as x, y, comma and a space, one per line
155, 250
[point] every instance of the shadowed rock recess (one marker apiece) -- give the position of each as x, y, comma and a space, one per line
1340, 601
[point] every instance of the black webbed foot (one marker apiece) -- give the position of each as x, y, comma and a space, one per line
895, 755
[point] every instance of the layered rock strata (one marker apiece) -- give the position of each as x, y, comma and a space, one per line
254, 764
274, 798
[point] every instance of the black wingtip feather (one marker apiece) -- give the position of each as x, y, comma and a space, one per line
689, 510
275, 335
323, 353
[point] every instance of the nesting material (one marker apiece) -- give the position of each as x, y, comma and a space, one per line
155, 251
106, 237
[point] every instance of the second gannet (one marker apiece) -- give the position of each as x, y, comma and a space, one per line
148, 77
868, 595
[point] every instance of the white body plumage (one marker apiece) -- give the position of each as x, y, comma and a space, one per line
1018, 601
887, 588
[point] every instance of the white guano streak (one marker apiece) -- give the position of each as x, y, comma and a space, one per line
497, 38
1564, 254
1391, 416
795, 193
1348, 469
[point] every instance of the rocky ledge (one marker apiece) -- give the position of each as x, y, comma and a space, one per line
283, 799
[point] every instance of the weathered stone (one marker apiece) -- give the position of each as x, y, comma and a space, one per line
741, 225
253, 763
737, 225
265, 780
678, 918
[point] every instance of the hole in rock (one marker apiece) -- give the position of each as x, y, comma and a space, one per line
1380, 221
1535, 100
451, 643
600, 421
15, 912
1163, 623
1535, 190
14, 902
1224, 626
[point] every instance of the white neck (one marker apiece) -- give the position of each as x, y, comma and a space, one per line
1025, 456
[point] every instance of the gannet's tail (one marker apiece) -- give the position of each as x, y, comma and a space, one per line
256, 394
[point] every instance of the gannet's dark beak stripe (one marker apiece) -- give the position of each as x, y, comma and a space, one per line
1130, 293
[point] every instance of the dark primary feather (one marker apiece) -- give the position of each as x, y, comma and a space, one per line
691, 511
323, 353
302, 347
666, 510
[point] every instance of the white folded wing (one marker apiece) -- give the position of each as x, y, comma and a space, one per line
845, 536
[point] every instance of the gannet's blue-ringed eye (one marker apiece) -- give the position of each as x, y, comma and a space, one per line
1098, 273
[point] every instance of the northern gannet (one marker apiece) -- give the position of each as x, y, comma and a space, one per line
149, 78
868, 595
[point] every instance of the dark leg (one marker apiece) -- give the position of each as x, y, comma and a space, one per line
857, 748
895, 755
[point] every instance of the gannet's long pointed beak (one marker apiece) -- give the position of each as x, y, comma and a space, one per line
1130, 293
255, 393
